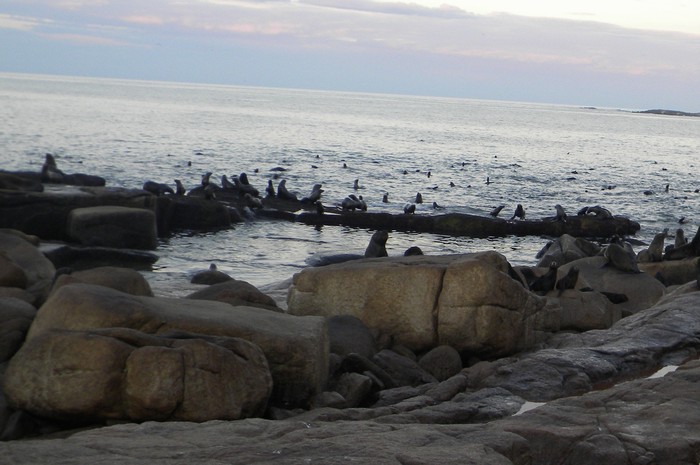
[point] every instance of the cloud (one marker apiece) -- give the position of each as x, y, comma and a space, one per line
20, 23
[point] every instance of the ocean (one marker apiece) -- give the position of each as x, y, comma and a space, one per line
537, 155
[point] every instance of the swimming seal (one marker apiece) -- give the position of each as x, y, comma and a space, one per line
419, 198
377, 245
210, 276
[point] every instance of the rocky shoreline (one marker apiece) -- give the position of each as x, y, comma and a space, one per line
412, 359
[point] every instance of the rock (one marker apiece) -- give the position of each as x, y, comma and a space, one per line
330, 399
583, 311
122, 279
236, 292
20, 294
81, 257
482, 310
641, 289
11, 275
397, 296
38, 270
113, 226
120, 373
442, 362
296, 348
15, 181
347, 334
404, 371
15, 318
354, 388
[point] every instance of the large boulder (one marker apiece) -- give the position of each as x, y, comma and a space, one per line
121, 279
119, 373
113, 226
469, 302
673, 272
583, 311
19, 254
15, 318
296, 348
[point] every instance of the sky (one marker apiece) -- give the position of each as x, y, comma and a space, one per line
632, 54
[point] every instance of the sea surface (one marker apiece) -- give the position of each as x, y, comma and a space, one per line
534, 154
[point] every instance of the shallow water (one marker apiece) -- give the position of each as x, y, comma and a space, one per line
537, 155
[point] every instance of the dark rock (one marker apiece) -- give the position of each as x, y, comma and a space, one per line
404, 371
442, 362
348, 334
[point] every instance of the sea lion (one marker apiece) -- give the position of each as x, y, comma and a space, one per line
419, 198
583, 211
209, 192
619, 257
497, 210
413, 250
568, 281
179, 188
252, 202
283, 193
210, 276
409, 208
315, 194
352, 203
544, 249
205, 178
49, 170
226, 184
680, 239
270, 189
319, 208
599, 212
545, 283
385, 198
241, 184
437, 207
356, 184
519, 212
561, 214
157, 188
656, 248
377, 245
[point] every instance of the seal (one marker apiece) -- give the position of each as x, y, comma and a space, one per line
252, 202
568, 281
241, 184
157, 188
519, 213
49, 170
226, 184
314, 196
599, 212
319, 208
270, 189
283, 193
385, 198
409, 208
210, 276
497, 210
437, 207
680, 239
545, 283
419, 198
179, 188
205, 178
619, 257
377, 245
356, 184
656, 248
561, 214
413, 250
352, 203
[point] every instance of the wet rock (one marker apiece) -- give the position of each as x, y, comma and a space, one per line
113, 226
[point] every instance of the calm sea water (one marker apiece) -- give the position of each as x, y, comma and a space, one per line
537, 155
